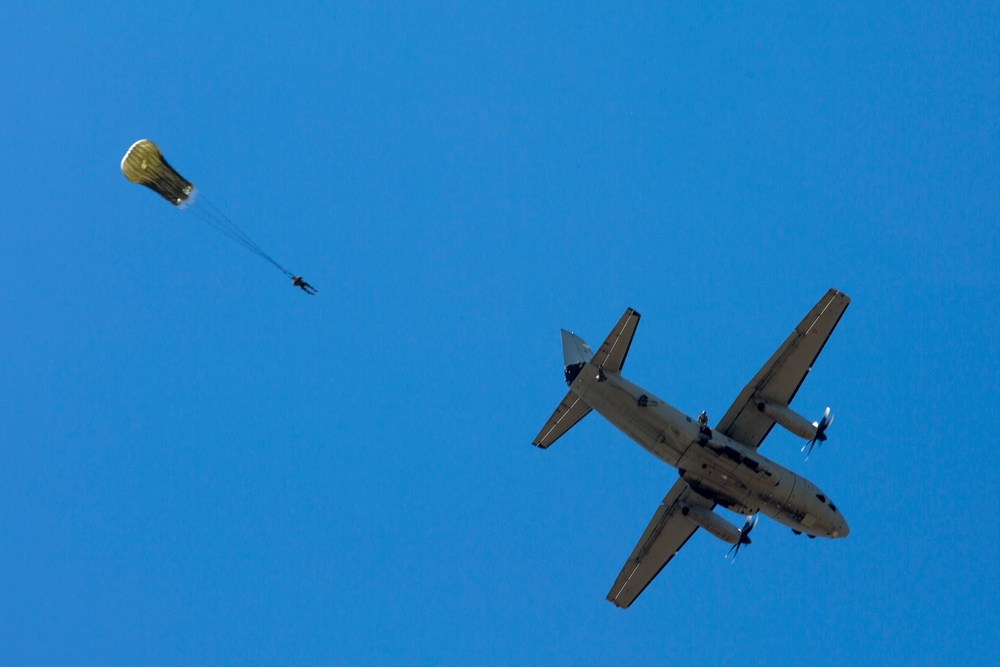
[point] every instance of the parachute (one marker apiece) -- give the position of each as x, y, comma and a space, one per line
144, 164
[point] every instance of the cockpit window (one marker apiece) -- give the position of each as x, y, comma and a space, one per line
832, 506
821, 497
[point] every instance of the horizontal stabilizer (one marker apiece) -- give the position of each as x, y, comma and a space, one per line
570, 411
611, 355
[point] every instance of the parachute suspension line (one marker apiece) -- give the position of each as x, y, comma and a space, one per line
211, 215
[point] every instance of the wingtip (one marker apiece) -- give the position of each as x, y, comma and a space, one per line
837, 293
616, 603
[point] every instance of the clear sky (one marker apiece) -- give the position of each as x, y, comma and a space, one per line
200, 464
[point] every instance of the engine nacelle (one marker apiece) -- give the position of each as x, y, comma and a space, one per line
789, 419
712, 522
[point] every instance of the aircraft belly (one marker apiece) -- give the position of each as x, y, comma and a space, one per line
774, 503
639, 415
806, 511
736, 477
797, 507
717, 468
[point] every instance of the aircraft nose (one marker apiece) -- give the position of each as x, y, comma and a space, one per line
841, 529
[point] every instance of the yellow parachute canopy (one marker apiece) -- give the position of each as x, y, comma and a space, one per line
144, 164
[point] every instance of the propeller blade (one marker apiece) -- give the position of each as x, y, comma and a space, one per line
820, 436
744, 537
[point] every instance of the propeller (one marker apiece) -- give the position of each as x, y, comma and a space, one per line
820, 436
744, 537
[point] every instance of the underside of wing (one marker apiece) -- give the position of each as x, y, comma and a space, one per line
780, 378
666, 533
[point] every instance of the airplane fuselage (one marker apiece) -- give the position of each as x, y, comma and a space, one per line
714, 466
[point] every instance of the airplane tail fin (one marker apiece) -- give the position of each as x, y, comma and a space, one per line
576, 354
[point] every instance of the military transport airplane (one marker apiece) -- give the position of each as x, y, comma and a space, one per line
719, 466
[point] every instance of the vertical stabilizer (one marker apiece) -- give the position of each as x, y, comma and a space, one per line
576, 354
574, 349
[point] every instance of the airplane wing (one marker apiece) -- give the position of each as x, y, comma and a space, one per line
665, 535
782, 375
611, 355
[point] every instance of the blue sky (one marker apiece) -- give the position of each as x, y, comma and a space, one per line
201, 465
